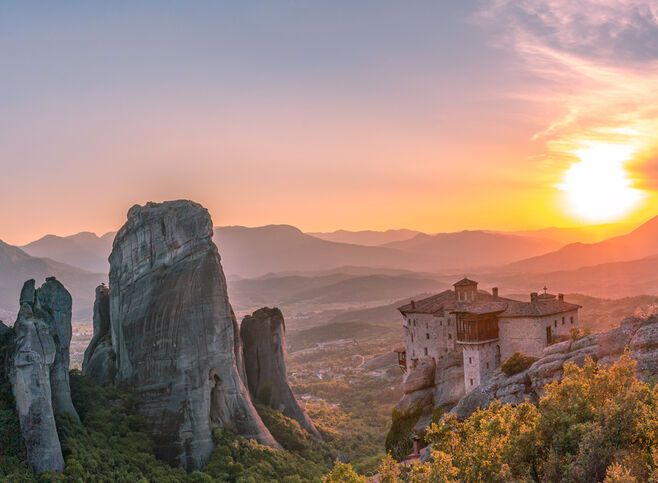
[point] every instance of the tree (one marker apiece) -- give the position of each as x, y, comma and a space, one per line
343, 473
388, 470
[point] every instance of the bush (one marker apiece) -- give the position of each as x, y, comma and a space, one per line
595, 424
577, 334
517, 363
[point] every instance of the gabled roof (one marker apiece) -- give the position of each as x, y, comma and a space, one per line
465, 282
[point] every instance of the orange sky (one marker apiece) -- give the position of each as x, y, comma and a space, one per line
501, 115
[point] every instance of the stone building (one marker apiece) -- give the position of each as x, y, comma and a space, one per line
483, 327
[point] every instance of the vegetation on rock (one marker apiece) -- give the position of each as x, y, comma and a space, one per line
516, 363
596, 424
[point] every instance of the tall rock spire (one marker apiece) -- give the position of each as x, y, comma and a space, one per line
173, 331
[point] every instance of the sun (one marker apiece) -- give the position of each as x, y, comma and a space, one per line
597, 187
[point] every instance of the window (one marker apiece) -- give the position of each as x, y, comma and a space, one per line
441, 323
427, 336
412, 337
562, 320
427, 324
449, 335
470, 361
555, 323
487, 365
572, 319
471, 382
425, 350
448, 322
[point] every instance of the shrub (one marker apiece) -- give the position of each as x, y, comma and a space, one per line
577, 334
517, 363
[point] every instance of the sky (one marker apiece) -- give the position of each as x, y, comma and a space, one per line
431, 115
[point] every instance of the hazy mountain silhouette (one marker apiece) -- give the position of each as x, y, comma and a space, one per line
16, 267
610, 280
84, 250
366, 237
639, 243
252, 252
335, 288
468, 249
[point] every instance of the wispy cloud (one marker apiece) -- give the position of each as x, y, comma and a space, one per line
599, 59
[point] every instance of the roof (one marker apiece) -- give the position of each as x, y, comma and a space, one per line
540, 308
485, 303
465, 282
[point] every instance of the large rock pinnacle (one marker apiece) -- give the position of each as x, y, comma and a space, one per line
173, 331
99, 359
264, 343
39, 370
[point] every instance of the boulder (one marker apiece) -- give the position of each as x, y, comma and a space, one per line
263, 337
174, 334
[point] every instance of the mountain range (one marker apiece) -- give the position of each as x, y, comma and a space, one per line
279, 264
16, 266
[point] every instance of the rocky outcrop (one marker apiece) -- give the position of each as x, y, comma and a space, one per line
99, 359
39, 370
431, 385
174, 334
638, 336
263, 337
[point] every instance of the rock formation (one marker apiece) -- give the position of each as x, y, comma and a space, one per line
431, 384
263, 337
99, 360
639, 336
174, 333
39, 370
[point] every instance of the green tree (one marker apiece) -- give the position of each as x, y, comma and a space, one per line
343, 473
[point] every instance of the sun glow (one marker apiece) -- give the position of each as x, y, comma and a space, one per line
597, 187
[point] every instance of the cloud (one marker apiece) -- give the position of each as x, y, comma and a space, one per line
599, 63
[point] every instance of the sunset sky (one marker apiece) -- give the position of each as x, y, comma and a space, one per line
376, 114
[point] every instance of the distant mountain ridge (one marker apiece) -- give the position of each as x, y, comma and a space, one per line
469, 249
16, 266
639, 243
366, 237
85, 250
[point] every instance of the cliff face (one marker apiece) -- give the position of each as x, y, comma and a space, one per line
431, 385
99, 360
263, 337
638, 336
174, 332
39, 370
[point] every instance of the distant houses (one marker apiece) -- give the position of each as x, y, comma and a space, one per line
484, 327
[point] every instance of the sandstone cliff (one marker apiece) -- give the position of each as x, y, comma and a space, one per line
39, 370
99, 360
638, 336
174, 334
263, 337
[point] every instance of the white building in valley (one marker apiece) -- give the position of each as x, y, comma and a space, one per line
484, 327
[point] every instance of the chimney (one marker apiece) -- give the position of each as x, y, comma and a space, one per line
494, 291
413, 305
560, 296
416, 440
533, 297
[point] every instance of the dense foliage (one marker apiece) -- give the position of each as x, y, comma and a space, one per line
516, 363
596, 424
